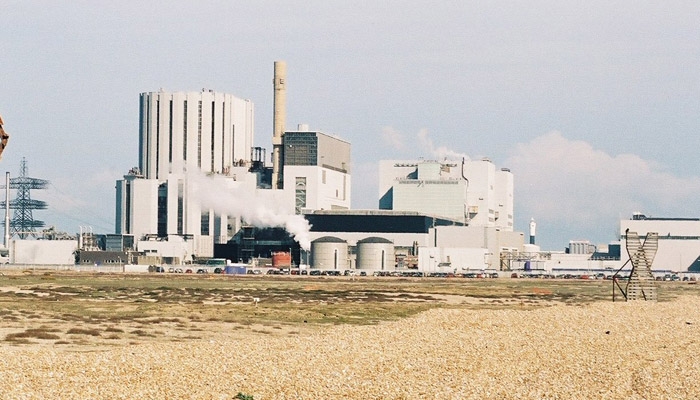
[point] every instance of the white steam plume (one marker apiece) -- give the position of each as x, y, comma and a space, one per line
258, 208
440, 153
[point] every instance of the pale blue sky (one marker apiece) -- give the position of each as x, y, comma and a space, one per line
594, 106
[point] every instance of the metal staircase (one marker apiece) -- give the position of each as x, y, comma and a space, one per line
641, 284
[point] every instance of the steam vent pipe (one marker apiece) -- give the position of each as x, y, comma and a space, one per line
279, 116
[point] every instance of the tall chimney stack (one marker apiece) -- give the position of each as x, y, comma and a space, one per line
280, 114
533, 226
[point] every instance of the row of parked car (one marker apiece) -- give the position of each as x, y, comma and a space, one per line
172, 270
353, 272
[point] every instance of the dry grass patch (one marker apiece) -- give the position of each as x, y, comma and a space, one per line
142, 333
82, 331
36, 333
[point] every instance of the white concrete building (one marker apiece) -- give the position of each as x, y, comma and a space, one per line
581, 247
316, 171
679, 241
206, 131
472, 192
179, 132
43, 252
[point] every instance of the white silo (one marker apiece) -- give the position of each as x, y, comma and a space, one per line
329, 252
376, 253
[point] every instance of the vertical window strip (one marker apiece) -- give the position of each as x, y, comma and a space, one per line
223, 135
213, 135
170, 134
184, 133
157, 137
199, 137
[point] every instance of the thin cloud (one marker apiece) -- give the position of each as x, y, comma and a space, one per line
441, 152
393, 138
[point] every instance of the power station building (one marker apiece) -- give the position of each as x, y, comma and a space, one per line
472, 192
433, 215
202, 131
211, 133
316, 170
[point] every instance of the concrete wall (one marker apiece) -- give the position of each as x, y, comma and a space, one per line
143, 213
326, 189
40, 252
460, 260
176, 247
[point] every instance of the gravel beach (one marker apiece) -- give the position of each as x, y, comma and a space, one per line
605, 350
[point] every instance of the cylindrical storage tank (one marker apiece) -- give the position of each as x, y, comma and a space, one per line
376, 253
329, 252
281, 259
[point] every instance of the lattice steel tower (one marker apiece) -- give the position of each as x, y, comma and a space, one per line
23, 223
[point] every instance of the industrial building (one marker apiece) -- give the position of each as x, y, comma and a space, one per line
186, 135
366, 239
316, 170
205, 131
677, 251
679, 240
473, 192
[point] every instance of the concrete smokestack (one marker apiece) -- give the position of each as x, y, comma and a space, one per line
280, 114
533, 226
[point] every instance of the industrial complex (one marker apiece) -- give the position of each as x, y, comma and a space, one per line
203, 190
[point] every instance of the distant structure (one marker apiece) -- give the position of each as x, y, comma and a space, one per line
678, 240
212, 133
207, 131
581, 247
202, 131
279, 118
474, 193
23, 223
533, 227
317, 170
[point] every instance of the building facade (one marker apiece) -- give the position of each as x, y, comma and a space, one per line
679, 241
203, 132
316, 170
472, 192
206, 131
